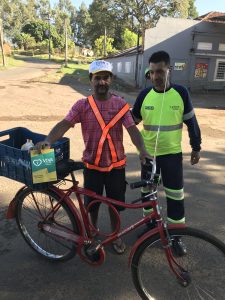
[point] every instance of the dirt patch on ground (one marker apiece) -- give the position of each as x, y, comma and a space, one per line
40, 102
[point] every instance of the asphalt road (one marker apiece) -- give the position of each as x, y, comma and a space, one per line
33, 69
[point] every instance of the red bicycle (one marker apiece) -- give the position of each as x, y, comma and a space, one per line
54, 227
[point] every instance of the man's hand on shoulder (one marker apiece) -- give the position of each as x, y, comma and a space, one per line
195, 157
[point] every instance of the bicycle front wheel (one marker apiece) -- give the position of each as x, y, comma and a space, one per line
204, 262
31, 209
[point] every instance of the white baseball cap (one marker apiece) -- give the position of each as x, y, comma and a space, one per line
100, 66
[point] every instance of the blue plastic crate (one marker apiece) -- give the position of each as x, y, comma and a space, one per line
16, 164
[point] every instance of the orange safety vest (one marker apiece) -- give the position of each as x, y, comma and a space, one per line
105, 135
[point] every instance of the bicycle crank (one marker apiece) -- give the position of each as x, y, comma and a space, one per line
92, 255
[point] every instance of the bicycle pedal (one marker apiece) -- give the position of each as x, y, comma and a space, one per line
91, 252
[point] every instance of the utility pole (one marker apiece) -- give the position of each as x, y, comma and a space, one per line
137, 57
49, 37
48, 31
105, 43
66, 43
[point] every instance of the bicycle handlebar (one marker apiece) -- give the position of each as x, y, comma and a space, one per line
138, 184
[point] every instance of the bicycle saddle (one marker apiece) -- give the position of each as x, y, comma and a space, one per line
64, 167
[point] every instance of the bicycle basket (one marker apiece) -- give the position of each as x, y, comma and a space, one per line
16, 164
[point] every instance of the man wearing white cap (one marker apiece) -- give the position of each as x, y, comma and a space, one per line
102, 116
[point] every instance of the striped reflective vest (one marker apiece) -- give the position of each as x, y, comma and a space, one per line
106, 137
171, 108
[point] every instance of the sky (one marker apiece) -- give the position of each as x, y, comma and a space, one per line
203, 6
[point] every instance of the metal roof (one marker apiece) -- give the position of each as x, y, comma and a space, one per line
213, 16
127, 52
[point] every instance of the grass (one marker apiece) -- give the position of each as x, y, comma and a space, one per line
73, 72
76, 71
10, 62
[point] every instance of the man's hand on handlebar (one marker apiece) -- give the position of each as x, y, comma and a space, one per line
144, 157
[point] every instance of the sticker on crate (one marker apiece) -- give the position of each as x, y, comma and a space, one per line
43, 166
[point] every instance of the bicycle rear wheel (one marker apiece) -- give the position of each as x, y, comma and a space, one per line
32, 207
204, 261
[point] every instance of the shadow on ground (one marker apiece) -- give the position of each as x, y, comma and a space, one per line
24, 272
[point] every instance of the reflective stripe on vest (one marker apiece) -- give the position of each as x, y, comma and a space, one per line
105, 135
163, 127
106, 169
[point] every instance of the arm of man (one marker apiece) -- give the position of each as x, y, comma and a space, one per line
56, 133
136, 110
194, 132
195, 139
137, 140
136, 120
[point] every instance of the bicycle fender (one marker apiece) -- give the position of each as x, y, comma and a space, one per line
11, 210
71, 206
148, 235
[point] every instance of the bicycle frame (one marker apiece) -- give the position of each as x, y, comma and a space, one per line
86, 229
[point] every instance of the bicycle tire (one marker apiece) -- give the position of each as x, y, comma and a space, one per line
205, 262
28, 216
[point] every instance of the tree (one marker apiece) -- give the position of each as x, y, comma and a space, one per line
25, 40
192, 10
64, 16
102, 14
38, 29
83, 21
4, 9
182, 9
99, 46
129, 39
1, 43
143, 14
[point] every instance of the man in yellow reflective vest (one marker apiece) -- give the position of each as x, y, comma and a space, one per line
102, 117
164, 108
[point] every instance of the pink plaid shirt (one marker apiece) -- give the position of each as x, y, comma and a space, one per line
81, 112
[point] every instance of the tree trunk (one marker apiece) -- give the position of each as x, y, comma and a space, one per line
137, 57
1, 43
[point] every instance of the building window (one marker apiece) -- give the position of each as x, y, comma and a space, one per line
127, 67
119, 67
204, 46
221, 47
220, 70
179, 66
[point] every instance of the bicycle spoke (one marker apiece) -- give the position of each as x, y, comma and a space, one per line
32, 211
204, 262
